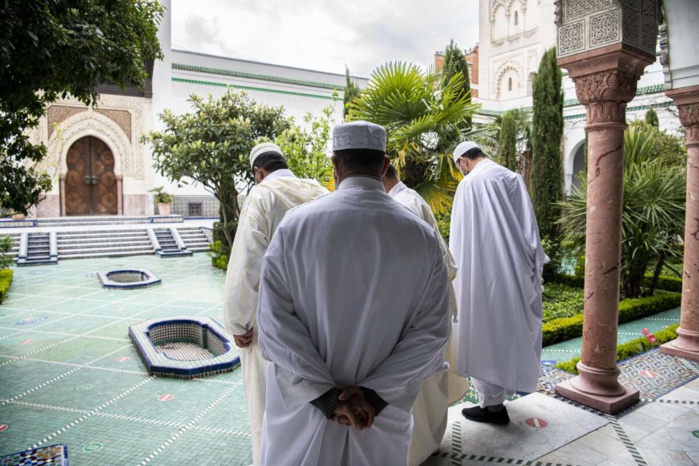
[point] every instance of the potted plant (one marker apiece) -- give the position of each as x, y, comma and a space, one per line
163, 199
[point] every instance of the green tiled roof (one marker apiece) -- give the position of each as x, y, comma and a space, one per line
252, 88
259, 77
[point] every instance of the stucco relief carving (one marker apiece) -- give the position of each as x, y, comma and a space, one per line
605, 28
502, 71
90, 123
631, 26
605, 94
573, 9
571, 38
689, 115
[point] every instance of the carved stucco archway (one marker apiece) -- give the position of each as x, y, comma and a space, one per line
509, 66
90, 124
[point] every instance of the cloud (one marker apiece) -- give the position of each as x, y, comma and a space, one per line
325, 34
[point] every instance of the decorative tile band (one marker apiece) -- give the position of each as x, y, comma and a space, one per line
251, 88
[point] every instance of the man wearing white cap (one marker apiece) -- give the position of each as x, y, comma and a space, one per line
495, 242
277, 191
437, 392
353, 314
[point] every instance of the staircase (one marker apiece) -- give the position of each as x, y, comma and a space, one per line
194, 238
103, 243
169, 246
14, 250
106, 220
38, 251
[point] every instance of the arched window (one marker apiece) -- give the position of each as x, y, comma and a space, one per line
516, 18
509, 84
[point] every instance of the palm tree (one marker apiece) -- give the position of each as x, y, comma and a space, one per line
653, 208
423, 121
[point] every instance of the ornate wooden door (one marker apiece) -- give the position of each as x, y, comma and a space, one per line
90, 184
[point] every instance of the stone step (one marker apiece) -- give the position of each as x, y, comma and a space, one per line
101, 234
108, 220
101, 240
107, 246
120, 253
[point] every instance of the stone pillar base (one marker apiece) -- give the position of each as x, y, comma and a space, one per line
685, 346
606, 404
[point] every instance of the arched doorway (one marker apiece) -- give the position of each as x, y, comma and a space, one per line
578, 166
90, 183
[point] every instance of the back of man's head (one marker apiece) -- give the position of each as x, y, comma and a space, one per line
359, 148
391, 173
270, 162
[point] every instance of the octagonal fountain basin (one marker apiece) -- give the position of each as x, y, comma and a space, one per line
127, 278
184, 347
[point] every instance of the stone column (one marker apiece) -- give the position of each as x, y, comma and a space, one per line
687, 343
605, 81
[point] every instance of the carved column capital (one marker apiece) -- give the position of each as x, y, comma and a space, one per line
605, 94
687, 101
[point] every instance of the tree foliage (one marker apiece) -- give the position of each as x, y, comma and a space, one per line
49, 49
211, 146
423, 121
652, 118
305, 147
507, 145
454, 63
351, 92
653, 207
547, 168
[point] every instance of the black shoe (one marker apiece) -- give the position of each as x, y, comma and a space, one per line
478, 414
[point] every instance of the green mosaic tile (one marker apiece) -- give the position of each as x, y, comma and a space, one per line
127, 360
195, 448
28, 342
106, 441
84, 389
21, 375
81, 324
73, 306
80, 350
28, 425
231, 415
189, 398
116, 329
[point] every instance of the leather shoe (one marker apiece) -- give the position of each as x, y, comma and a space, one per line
478, 414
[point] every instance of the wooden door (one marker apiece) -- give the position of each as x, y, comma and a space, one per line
90, 183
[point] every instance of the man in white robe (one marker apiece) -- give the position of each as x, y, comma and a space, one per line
495, 242
437, 392
277, 190
353, 313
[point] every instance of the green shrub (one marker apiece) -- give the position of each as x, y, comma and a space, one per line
560, 300
219, 255
5, 245
665, 283
630, 348
5, 282
565, 328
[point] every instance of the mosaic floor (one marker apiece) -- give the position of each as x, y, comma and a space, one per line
70, 375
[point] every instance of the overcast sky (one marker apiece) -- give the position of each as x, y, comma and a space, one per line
325, 34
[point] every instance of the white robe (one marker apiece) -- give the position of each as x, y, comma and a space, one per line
438, 391
353, 292
262, 211
496, 245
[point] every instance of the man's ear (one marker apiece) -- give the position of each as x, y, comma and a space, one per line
386, 164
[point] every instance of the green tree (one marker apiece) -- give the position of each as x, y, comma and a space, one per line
49, 49
507, 145
351, 92
652, 118
211, 146
455, 62
305, 147
653, 208
6, 260
423, 121
547, 168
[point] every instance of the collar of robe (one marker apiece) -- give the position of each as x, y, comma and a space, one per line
281, 173
480, 165
399, 188
361, 182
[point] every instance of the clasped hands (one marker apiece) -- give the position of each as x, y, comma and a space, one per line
353, 410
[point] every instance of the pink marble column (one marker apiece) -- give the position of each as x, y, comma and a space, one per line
605, 81
687, 343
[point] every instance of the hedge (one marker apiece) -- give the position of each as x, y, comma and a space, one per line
566, 328
630, 348
665, 283
5, 282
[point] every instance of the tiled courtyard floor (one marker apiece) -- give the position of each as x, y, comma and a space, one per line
69, 375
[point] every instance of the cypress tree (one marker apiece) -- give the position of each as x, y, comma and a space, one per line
652, 118
547, 169
351, 92
507, 144
455, 62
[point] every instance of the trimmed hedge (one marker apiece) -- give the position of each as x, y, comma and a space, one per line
566, 328
665, 283
629, 349
6, 276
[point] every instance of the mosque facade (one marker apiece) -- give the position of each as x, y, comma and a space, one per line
513, 36
95, 155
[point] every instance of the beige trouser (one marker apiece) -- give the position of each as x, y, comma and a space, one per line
488, 393
254, 380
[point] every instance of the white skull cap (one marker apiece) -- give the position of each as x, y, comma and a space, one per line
263, 148
464, 147
359, 135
